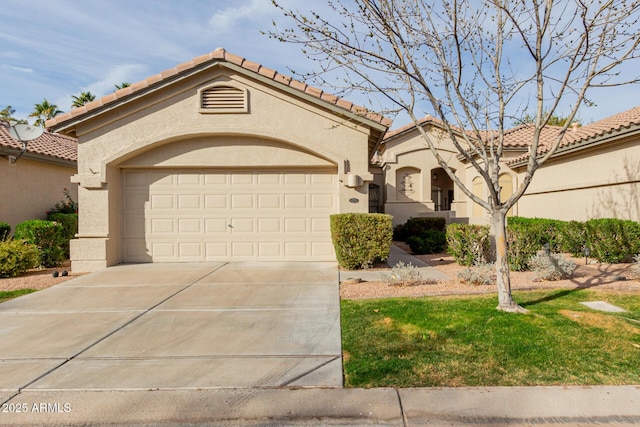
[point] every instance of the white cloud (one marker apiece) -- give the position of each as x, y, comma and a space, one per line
21, 69
228, 19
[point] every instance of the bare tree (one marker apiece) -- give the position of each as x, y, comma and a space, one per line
476, 64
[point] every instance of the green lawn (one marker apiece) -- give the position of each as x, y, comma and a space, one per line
7, 295
465, 341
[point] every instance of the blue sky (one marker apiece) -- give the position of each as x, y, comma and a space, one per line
56, 49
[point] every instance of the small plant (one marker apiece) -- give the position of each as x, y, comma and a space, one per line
67, 205
16, 257
483, 275
403, 275
550, 266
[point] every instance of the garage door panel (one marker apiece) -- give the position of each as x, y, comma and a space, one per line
188, 251
162, 201
269, 225
160, 179
295, 201
215, 201
189, 201
187, 215
163, 250
269, 201
242, 225
216, 225
162, 226
190, 225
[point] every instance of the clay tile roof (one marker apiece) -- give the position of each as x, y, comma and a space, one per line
422, 122
48, 144
583, 135
222, 55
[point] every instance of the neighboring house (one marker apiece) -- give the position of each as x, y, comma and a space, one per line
595, 173
217, 159
36, 181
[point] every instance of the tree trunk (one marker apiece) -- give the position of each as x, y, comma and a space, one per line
503, 281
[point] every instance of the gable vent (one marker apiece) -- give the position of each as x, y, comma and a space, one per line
223, 99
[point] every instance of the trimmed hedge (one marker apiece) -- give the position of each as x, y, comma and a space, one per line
468, 244
428, 242
5, 231
613, 240
573, 238
361, 239
17, 256
48, 236
527, 236
418, 226
609, 240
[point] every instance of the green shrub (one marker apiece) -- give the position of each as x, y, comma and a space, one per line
48, 236
573, 238
361, 239
69, 222
16, 257
468, 244
548, 231
613, 240
523, 242
428, 242
417, 226
527, 236
5, 231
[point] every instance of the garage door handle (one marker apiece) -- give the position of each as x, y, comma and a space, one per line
229, 225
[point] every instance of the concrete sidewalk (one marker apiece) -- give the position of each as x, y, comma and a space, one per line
396, 255
485, 406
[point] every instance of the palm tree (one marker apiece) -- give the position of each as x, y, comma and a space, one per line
122, 85
44, 111
6, 114
83, 98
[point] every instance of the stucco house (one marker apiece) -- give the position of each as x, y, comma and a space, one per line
217, 159
36, 181
595, 173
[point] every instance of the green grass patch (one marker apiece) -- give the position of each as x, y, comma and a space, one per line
7, 295
465, 341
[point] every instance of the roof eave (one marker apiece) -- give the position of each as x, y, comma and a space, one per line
44, 158
67, 127
583, 144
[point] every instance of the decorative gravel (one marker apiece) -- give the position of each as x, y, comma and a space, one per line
598, 276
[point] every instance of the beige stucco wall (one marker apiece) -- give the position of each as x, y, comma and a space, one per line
407, 157
30, 188
166, 129
603, 182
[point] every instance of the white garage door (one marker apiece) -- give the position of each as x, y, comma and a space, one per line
192, 215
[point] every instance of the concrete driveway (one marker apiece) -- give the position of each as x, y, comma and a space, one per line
176, 326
